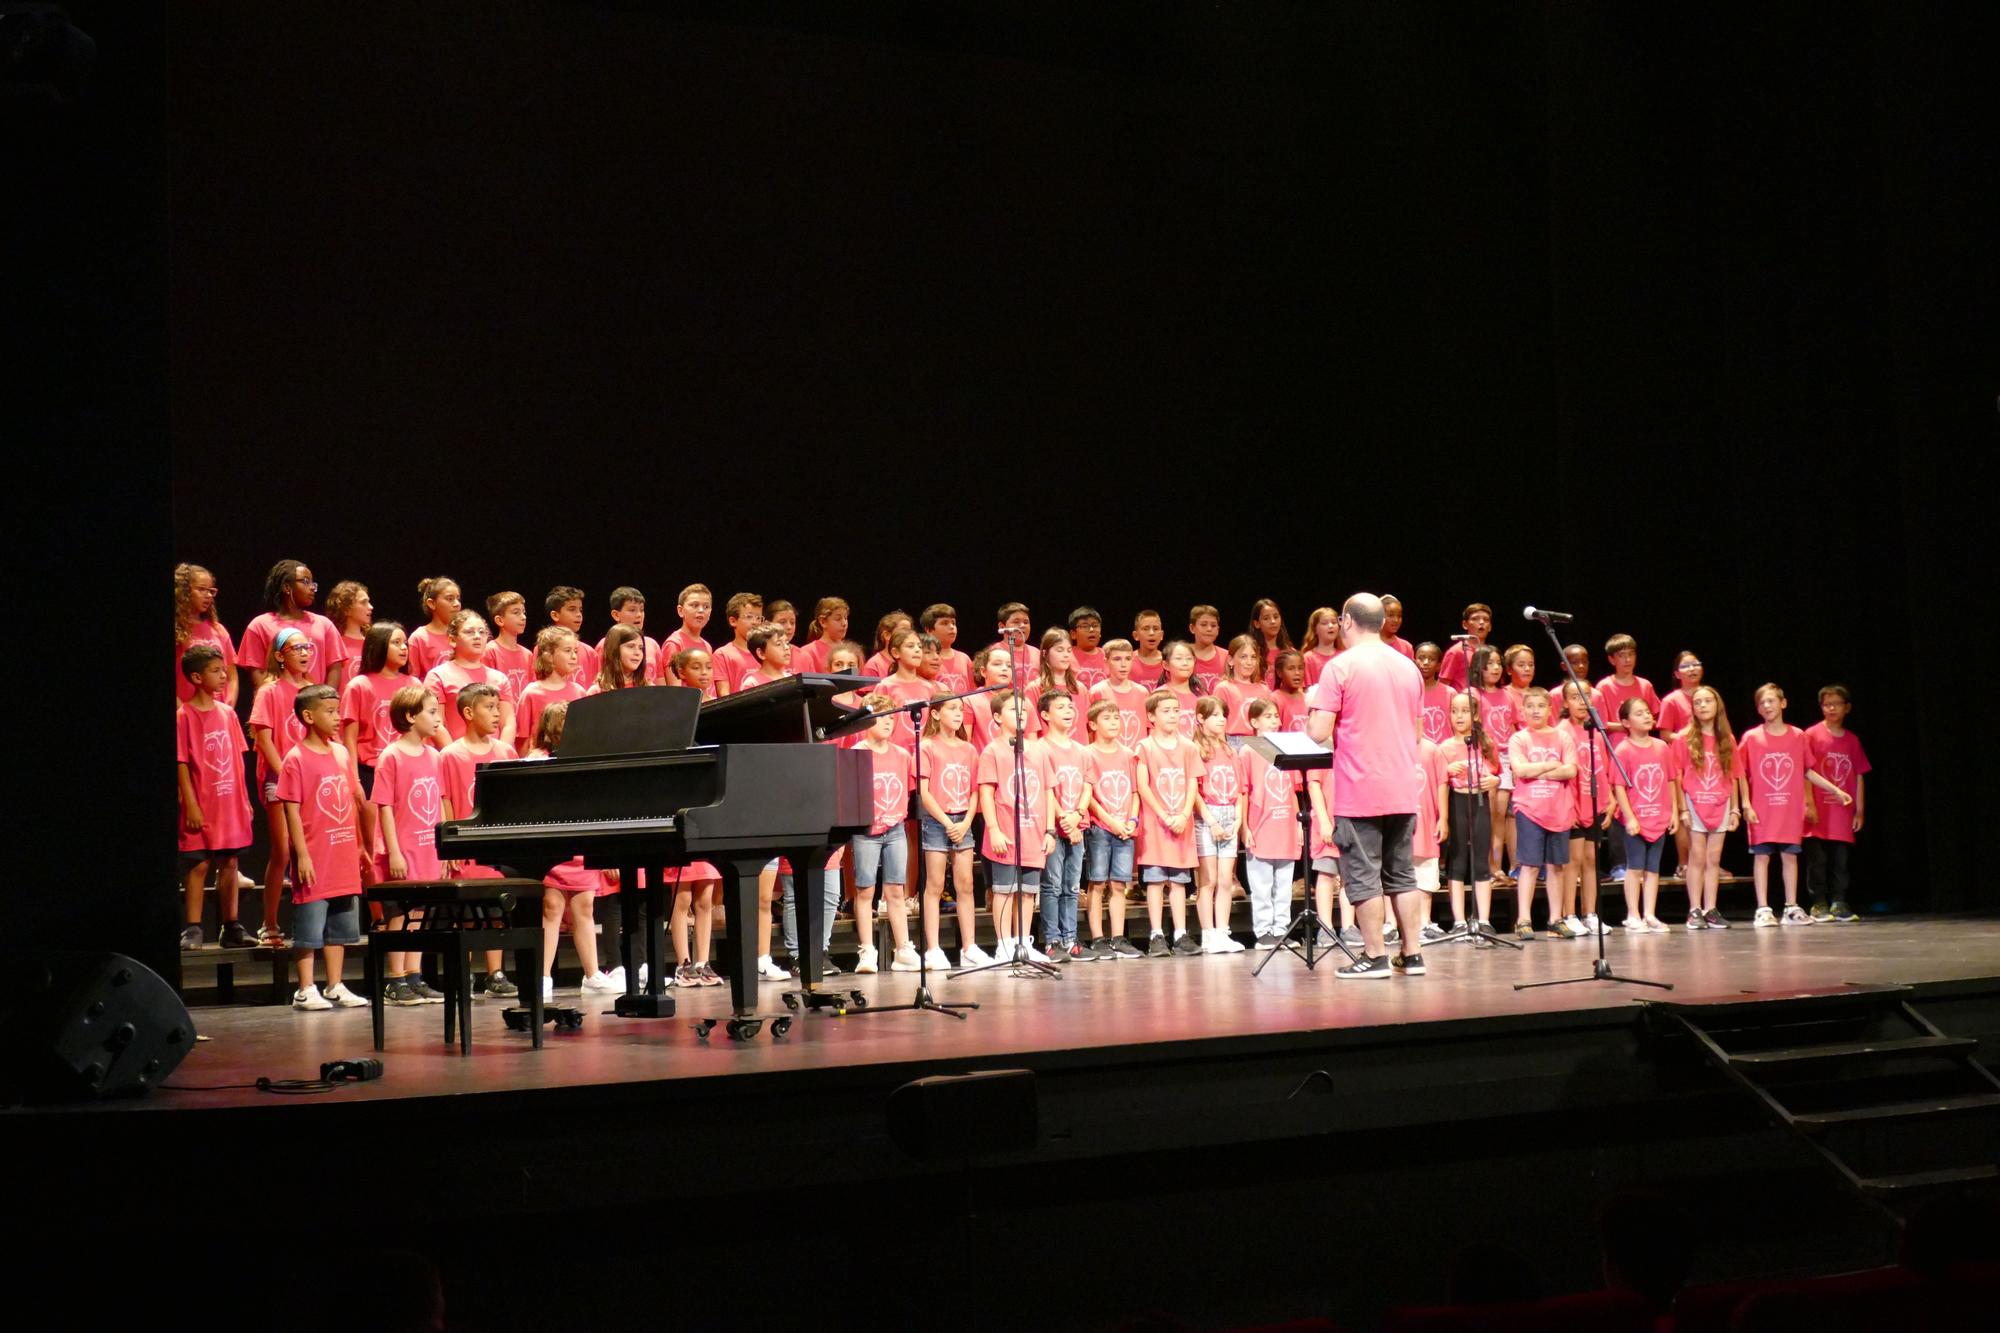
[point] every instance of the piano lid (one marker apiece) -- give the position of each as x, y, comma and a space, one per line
796, 709
634, 721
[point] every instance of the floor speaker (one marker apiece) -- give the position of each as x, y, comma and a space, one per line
77, 1026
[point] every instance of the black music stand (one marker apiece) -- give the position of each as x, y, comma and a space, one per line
1294, 752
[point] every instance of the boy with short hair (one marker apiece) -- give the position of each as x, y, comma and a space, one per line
1013, 619
771, 648
1477, 621
954, 673
733, 660
458, 772
1622, 684
215, 810
564, 605
1086, 630
316, 783
1149, 665
1543, 760
694, 606
1211, 663
505, 653
628, 607
1837, 756
1122, 692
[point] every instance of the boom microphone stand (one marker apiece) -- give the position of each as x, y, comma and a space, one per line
1600, 970
1476, 931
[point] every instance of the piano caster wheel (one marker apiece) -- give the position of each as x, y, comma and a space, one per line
792, 1000
743, 1029
856, 1000
568, 1020
515, 1019
703, 1028
780, 1026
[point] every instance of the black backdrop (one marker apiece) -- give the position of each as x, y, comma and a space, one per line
1680, 321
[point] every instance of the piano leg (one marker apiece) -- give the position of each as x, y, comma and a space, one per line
741, 887
652, 902
628, 922
658, 900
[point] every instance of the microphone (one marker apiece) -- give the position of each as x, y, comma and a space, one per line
1461, 638
1546, 617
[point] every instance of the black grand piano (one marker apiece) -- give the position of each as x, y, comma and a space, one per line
652, 778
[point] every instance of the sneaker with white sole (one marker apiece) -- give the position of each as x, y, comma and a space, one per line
1592, 925
1765, 917
867, 961
1228, 943
907, 959
1365, 968
310, 998
1124, 948
1794, 916
602, 981
426, 992
548, 989
1635, 925
770, 971
972, 955
1575, 924
1696, 921
1027, 949
936, 961
616, 976
1410, 965
1431, 933
1656, 926
344, 997
1715, 920
399, 994
1840, 912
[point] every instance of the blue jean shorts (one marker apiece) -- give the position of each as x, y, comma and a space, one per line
1166, 874
932, 835
1773, 848
327, 921
1106, 859
881, 858
1013, 879
1537, 846
1642, 857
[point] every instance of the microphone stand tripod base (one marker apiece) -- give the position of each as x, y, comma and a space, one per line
1309, 927
1600, 970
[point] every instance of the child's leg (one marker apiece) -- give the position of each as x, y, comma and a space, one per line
1281, 896
1262, 905
1024, 909
1501, 827
1204, 892
1325, 886
899, 919
678, 920
1583, 872
1712, 875
191, 890
962, 903
1177, 906
277, 863
1683, 847
1116, 894
1789, 867
1155, 895
583, 930
1221, 908
1694, 869
302, 962
1760, 879
1632, 894
1093, 908
704, 918
336, 960
1457, 889
1000, 906
864, 914
934, 871
1524, 893
552, 915
767, 891
1565, 879
496, 960
225, 887
1651, 895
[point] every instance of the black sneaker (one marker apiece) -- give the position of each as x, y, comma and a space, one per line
1365, 969
499, 988
399, 993
1124, 948
1157, 947
1100, 950
1409, 964
1186, 945
235, 937
191, 936
1844, 914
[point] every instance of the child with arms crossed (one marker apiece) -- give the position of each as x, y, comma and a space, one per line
316, 784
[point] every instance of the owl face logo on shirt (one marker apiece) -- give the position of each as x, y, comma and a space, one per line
1089, 677
334, 798
1839, 768
1776, 771
955, 785
215, 756
1068, 786
1172, 785
1114, 791
1031, 783
517, 679
1278, 784
1131, 729
891, 797
1222, 785
385, 730
1648, 779
1436, 726
424, 802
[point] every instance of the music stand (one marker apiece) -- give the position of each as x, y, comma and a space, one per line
1294, 752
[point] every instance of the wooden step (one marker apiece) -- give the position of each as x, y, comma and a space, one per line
1724, 1012
1891, 1112
1791, 1056
1916, 1180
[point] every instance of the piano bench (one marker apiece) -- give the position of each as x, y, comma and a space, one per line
452, 918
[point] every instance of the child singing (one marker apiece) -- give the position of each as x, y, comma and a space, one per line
215, 811
1167, 792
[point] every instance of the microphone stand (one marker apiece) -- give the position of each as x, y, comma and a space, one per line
923, 999
1600, 970
1020, 963
1476, 931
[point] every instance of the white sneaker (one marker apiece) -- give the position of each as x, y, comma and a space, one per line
973, 956
344, 997
770, 971
1592, 925
865, 963
907, 959
310, 998
615, 978
1656, 926
1635, 925
603, 981
1034, 955
1794, 916
1765, 917
548, 989
1004, 950
1575, 924
935, 960
643, 974
1230, 944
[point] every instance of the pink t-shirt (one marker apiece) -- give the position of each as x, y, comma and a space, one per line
211, 744
428, 647
517, 664
202, 631
954, 672
588, 664
1401, 645
1651, 797
1676, 711
1079, 727
272, 709
1027, 661
1221, 776
809, 656
1775, 768
458, 774
1090, 668
1469, 778
1840, 760
1611, 696
891, 767
1706, 788
950, 769
1581, 807
1065, 770
1316, 664
1271, 816
1437, 712
409, 785
904, 736
1292, 710
533, 702
1148, 675
1430, 777
364, 701
323, 789
1113, 781
1188, 699
1497, 712
1211, 670
685, 640
1237, 697
1322, 845
329, 648
1378, 694
1545, 800
732, 664
448, 679
1131, 701
1173, 775
996, 770
1455, 662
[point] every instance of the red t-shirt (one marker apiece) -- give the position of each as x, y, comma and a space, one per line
1114, 784
950, 766
1456, 660
1676, 711
954, 672
1211, 670
1611, 696
517, 664
272, 710
1497, 712
1840, 760
1582, 811
1131, 701
1292, 710
1775, 769
364, 701
211, 744
533, 702
1430, 776
1065, 769
409, 785
1437, 712
321, 786
1148, 675
1236, 697
904, 734
1090, 669
1172, 774
996, 770
1651, 797
428, 647
1221, 776
458, 774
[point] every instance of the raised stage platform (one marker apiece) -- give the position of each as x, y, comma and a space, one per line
1182, 1088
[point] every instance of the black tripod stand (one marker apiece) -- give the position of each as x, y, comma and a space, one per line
1600, 970
1020, 963
1476, 931
1307, 935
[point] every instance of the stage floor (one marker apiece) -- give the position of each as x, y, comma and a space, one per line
1097, 1013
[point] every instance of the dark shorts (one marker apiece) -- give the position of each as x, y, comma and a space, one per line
1375, 854
1773, 848
1537, 846
327, 921
1642, 857
189, 860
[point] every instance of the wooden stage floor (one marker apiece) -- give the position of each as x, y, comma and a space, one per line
1098, 1014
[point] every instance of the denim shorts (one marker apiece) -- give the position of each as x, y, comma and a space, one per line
1537, 846
327, 921
1642, 857
932, 836
1773, 848
881, 858
1166, 874
1012, 879
1106, 859
1205, 843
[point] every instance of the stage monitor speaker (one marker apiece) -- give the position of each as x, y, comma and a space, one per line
951, 1116
75, 1026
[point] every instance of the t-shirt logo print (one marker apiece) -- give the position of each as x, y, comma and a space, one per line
424, 801
1172, 783
1033, 786
1278, 783
955, 782
889, 794
385, 730
1434, 726
1776, 770
332, 797
1648, 779
1114, 790
1222, 785
1839, 768
215, 755
1069, 786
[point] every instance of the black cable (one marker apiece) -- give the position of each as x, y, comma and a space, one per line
285, 1087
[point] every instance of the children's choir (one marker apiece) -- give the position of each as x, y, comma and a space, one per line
1133, 769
